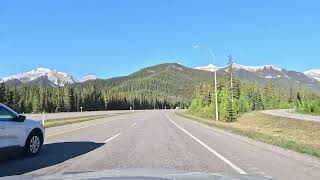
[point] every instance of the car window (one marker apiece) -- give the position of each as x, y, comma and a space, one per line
5, 115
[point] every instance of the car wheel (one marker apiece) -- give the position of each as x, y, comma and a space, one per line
33, 144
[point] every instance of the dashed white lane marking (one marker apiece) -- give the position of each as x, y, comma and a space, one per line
110, 139
236, 168
133, 124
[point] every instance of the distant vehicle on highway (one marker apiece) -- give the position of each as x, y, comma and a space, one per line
17, 131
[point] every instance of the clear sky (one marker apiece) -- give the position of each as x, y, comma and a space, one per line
115, 37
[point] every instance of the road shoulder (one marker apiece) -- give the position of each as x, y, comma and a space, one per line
249, 140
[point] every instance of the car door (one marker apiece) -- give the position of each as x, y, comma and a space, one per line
9, 129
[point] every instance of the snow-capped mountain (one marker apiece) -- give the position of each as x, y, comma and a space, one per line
87, 78
44, 75
263, 73
260, 74
210, 67
255, 68
249, 72
313, 73
235, 66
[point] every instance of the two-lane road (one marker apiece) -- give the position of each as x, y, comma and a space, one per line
158, 139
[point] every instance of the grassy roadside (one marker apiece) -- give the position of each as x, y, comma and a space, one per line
71, 120
299, 136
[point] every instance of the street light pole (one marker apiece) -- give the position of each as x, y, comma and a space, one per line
215, 85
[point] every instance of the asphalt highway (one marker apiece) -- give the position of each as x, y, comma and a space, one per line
158, 139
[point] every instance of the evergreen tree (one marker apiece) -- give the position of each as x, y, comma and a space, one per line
35, 104
243, 105
59, 102
236, 89
66, 99
2, 92
9, 98
299, 98
291, 96
230, 114
72, 107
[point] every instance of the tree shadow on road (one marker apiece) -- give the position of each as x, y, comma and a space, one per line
14, 163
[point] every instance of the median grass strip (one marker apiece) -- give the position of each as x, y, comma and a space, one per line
296, 135
71, 120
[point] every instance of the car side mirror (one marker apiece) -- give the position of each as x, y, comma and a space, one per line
21, 118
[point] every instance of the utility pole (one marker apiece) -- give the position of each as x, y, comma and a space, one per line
230, 62
215, 85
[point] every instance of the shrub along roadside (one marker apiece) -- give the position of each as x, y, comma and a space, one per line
295, 135
310, 107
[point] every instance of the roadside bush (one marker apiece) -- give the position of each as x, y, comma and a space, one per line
310, 107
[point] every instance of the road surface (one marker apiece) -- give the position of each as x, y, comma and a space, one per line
158, 139
287, 113
50, 116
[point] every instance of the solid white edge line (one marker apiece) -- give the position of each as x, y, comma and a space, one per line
110, 139
236, 168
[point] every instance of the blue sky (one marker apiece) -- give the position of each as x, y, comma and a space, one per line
110, 38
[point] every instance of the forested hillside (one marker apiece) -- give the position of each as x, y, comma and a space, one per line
160, 86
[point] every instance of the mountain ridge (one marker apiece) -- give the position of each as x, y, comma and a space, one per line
313, 73
280, 76
44, 76
212, 67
